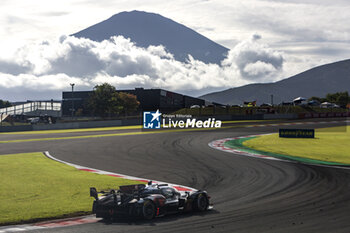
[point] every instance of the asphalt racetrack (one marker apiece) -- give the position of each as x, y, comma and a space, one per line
249, 194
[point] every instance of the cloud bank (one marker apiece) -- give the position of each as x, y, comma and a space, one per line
255, 61
43, 70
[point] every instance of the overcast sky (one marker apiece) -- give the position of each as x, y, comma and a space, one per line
289, 36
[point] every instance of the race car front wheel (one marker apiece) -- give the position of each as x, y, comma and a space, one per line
201, 202
148, 210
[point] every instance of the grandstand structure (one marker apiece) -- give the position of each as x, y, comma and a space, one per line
32, 109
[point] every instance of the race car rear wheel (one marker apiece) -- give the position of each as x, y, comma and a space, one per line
201, 202
148, 210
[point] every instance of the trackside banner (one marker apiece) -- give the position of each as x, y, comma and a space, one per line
297, 133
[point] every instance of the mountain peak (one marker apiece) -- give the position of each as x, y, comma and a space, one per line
147, 29
133, 14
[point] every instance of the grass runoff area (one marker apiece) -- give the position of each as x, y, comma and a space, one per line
132, 127
34, 187
330, 145
75, 130
137, 132
56, 131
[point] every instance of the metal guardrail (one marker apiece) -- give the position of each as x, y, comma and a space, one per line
22, 109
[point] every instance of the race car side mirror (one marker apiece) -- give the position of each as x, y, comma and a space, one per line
93, 193
150, 182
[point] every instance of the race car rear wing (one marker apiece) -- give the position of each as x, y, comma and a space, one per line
127, 189
94, 193
130, 189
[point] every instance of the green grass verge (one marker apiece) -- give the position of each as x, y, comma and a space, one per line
58, 131
120, 134
76, 130
34, 188
329, 145
5, 123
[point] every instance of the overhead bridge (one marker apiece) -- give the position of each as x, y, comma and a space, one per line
37, 108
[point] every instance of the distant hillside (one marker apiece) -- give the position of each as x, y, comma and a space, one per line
319, 81
153, 29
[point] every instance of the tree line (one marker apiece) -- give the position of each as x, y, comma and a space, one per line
5, 104
106, 101
339, 98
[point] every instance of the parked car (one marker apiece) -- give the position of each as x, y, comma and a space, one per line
195, 106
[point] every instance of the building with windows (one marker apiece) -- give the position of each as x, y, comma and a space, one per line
150, 99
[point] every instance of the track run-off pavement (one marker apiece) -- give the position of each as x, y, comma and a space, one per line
249, 194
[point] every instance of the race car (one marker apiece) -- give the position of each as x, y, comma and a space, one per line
147, 201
